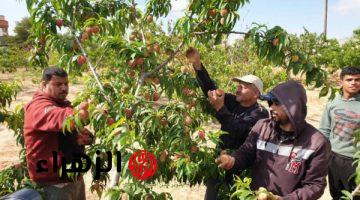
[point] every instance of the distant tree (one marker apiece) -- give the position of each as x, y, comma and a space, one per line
22, 29
357, 33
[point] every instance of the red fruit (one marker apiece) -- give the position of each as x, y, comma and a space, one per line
139, 36
149, 18
131, 73
156, 96
185, 91
222, 21
191, 93
110, 121
156, 81
132, 37
84, 105
224, 12
194, 149
201, 135
59, 22
192, 104
84, 36
95, 29
83, 114
88, 30
81, 60
156, 48
128, 112
188, 120
150, 48
275, 41
212, 12
139, 61
178, 156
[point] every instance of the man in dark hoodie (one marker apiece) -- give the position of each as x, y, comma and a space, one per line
339, 122
45, 115
287, 155
237, 113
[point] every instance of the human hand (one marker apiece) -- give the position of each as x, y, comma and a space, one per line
193, 57
85, 137
225, 161
216, 98
265, 196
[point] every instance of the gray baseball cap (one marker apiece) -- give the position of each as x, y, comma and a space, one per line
251, 79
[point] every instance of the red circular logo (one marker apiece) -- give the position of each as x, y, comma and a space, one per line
142, 165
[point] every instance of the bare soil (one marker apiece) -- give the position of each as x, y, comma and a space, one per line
9, 151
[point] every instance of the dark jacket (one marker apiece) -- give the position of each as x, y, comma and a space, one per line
290, 165
234, 118
44, 119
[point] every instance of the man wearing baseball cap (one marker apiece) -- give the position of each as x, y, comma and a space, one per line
237, 113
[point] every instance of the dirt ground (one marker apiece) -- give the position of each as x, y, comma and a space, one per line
9, 150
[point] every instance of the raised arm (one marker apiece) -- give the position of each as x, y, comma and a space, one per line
202, 75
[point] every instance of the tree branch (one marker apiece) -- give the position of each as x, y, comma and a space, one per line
96, 76
140, 82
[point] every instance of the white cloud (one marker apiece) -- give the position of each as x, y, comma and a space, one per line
346, 6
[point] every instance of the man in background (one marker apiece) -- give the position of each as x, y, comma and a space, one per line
339, 122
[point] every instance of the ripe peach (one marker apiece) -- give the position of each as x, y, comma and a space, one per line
224, 12
81, 60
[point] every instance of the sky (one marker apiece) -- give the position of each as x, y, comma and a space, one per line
293, 15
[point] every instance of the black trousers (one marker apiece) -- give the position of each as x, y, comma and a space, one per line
340, 170
213, 185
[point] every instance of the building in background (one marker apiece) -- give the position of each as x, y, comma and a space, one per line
4, 26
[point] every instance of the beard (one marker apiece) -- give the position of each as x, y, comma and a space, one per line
281, 120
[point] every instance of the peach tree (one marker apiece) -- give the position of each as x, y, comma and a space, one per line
141, 92
13, 177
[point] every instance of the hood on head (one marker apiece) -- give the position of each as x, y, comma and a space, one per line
292, 97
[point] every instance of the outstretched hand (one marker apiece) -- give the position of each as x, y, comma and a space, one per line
194, 57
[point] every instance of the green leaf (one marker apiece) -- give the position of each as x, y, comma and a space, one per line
324, 91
